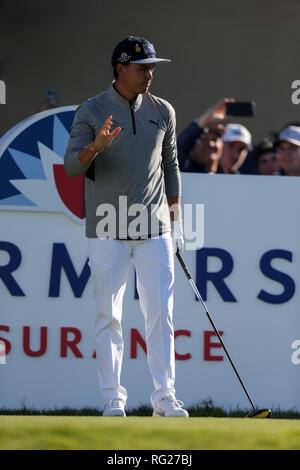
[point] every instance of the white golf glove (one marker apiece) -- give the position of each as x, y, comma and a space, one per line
177, 235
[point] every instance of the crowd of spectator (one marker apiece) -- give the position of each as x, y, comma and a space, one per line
209, 144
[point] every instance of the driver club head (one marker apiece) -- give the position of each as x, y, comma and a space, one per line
262, 413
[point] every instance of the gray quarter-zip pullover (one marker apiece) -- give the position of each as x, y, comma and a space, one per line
139, 167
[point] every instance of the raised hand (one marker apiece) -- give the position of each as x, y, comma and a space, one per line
104, 136
215, 115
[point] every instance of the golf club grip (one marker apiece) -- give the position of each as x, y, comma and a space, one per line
183, 265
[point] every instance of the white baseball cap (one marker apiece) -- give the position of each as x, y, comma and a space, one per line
237, 133
290, 134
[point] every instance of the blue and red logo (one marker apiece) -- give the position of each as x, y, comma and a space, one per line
32, 176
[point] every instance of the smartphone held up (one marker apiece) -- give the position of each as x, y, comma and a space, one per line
240, 109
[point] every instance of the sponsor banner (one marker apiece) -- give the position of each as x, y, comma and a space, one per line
247, 272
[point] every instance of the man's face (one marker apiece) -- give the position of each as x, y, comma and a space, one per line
268, 164
137, 78
233, 155
207, 149
289, 156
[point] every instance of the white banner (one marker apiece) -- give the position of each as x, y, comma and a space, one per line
247, 273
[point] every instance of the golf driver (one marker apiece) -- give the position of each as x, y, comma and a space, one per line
255, 413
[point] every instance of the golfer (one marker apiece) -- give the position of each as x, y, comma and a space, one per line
124, 141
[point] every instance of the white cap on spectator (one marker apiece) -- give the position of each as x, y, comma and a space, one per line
237, 133
290, 134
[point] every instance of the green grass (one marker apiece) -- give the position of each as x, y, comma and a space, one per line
141, 433
205, 408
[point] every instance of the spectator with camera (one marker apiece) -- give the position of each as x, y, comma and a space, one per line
208, 146
200, 144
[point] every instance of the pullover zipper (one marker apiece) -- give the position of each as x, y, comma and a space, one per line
132, 118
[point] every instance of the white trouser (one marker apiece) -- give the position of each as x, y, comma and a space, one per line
153, 260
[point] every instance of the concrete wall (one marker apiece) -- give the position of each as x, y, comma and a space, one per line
236, 48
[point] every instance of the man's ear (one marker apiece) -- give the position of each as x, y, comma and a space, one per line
120, 68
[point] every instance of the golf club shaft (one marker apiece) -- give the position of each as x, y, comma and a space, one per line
195, 289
